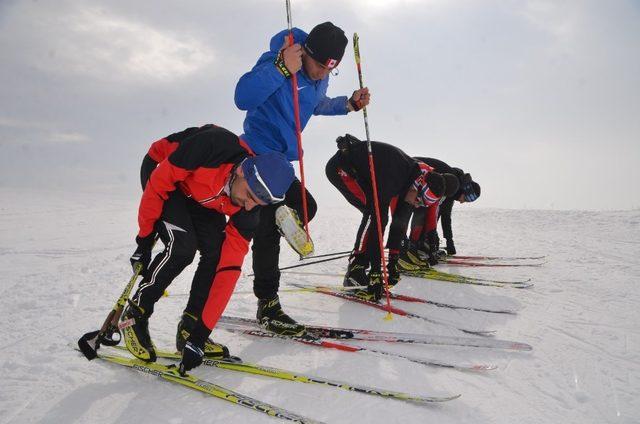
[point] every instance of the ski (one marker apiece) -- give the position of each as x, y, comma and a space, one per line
170, 373
464, 262
496, 258
413, 299
395, 310
433, 274
302, 378
386, 336
314, 341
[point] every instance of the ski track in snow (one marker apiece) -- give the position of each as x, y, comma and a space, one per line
64, 260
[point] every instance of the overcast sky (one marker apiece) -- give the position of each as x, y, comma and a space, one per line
538, 100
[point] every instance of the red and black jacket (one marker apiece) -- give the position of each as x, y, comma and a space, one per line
199, 162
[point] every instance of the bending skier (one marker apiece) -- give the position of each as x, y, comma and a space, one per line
423, 244
403, 183
202, 176
266, 94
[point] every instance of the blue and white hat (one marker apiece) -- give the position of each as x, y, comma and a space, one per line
269, 176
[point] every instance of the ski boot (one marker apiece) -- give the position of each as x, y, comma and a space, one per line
393, 269
272, 318
211, 349
136, 333
292, 229
373, 292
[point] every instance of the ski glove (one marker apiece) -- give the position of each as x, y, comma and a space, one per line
191, 357
142, 254
451, 248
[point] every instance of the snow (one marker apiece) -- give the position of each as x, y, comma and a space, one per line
64, 260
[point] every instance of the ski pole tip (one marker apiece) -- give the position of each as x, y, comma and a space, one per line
388, 316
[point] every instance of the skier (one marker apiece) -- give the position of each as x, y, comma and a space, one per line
266, 94
424, 243
202, 175
402, 182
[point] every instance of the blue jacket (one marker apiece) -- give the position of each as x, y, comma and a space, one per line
267, 97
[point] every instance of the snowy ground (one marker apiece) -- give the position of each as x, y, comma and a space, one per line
64, 260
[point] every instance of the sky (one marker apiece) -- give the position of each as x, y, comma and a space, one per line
539, 100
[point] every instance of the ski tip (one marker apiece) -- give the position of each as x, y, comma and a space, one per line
483, 367
521, 346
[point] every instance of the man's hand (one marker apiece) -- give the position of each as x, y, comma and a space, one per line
359, 99
191, 357
292, 56
142, 254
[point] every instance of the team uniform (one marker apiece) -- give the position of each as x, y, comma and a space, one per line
186, 202
396, 173
423, 234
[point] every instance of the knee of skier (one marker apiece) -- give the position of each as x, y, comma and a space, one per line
183, 253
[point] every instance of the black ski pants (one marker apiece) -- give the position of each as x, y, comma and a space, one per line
184, 228
359, 193
266, 241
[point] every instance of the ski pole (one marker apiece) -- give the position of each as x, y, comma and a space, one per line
309, 263
326, 254
90, 342
296, 114
372, 171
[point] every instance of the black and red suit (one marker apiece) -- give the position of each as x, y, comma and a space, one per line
186, 201
396, 172
425, 219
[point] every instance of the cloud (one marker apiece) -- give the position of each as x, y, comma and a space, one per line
23, 132
93, 43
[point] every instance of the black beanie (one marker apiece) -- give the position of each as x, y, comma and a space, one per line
326, 43
451, 184
436, 183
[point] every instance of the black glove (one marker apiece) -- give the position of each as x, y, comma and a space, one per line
142, 254
451, 248
191, 357
392, 269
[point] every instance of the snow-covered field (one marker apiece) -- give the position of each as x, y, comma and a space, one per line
64, 260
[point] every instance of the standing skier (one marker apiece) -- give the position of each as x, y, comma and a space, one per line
403, 183
423, 239
202, 176
266, 94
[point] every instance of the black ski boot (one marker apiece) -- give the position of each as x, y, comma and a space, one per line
272, 318
211, 349
136, 333
356, 271
373, 292
411, 258
393, 269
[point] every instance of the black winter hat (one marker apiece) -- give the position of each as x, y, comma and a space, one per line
471, 191
326, 43
452, 184
436, 183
